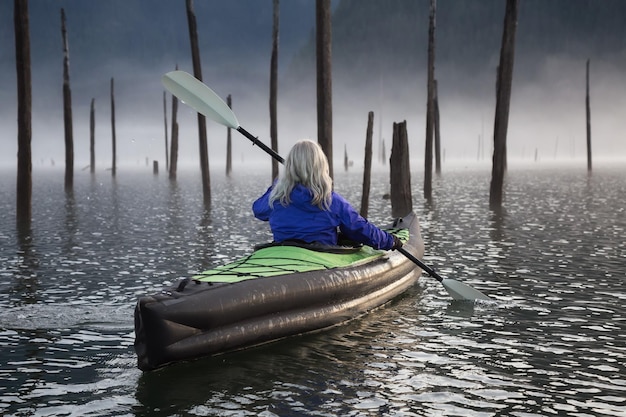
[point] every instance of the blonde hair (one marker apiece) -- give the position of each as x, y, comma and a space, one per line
306, 164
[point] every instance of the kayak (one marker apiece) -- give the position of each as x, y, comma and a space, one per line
278, 291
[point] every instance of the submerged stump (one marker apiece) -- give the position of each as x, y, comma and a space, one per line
400, 172
367, 171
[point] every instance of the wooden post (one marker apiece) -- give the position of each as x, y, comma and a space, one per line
504, 83
437, 131
202, 135
428, 153
400, 172
274, 88
155, 167
114, 156
229, 144
92, 137
67, 109
167, 157
367, 171
174, 144
379, 154
588, 111
345, 157
24, 114
323, 42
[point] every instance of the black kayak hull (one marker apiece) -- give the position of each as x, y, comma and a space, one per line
201, 318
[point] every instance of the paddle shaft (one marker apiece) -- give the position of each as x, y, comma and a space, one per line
261, 145
421, 264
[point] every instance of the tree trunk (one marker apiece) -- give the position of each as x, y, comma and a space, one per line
202, 135
367, 171
24, 113
113, 141
504, 156
174, 152
323, 38
67, 109
588, 110
504, 84
229, 144
274, 89
400, 172
381, 98
167, 156
437, 131
428, 153
92, 137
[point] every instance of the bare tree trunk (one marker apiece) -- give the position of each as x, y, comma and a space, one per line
504, 156
24, 113
202, 135
346, 160
323, 37
428, 154
167, 157
400, 172
174, 153
588, 110
67, 109
505, 81
274, 88
92, 137
381, 98
437, 131
229, 143
114, 150
367, 171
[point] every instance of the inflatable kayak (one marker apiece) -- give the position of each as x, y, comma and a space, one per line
275, 292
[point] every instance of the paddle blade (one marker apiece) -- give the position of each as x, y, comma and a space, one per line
199, 97
460, 291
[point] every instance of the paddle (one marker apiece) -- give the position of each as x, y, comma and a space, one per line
456, 289
201, 98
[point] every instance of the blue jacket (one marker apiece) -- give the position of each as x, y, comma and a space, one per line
304, 221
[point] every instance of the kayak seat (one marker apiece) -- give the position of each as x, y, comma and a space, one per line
349, 247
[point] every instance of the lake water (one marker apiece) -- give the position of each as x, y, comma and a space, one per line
552, 341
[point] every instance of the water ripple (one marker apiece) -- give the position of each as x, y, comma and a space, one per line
550, 342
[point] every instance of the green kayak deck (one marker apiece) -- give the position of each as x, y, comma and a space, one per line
288, 259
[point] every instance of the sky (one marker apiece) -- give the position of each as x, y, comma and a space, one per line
547, 116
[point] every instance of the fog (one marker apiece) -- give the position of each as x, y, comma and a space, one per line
547, 114
546, 117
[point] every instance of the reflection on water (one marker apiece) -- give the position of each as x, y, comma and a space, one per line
25, 262
551, 343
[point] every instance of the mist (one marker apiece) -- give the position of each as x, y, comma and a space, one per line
547, 115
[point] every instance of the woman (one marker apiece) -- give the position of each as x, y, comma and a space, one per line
301, 205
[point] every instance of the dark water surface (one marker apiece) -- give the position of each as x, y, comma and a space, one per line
553, 341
